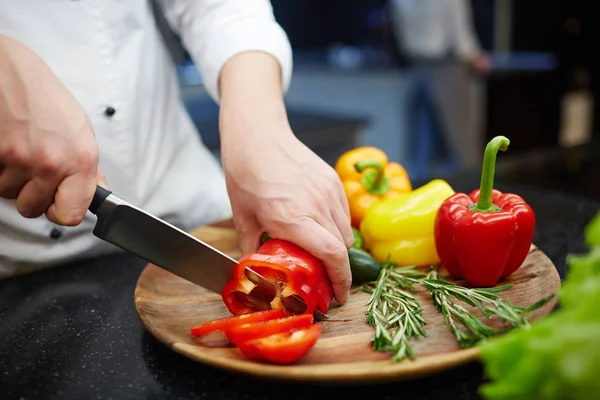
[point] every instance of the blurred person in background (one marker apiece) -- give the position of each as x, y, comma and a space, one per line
436, 38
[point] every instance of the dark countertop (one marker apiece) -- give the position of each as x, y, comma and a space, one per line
574, 170
73, 333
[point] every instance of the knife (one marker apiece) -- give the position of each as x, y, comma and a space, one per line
172, 249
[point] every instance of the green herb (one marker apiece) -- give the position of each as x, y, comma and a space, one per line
486, 300
397, 316
394, 311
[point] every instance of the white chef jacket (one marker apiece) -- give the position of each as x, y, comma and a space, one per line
434, 29
109, 53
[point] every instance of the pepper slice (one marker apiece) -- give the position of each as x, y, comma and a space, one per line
293, 269
368, 177
282, 348
256, 330
235, 320
486, 235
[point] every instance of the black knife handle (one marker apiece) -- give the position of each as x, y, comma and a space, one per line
99, 197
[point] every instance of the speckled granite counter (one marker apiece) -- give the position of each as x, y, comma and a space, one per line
73, 333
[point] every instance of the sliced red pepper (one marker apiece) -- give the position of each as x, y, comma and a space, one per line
257, 330
235, 320
487, 235
282, 348
293, 269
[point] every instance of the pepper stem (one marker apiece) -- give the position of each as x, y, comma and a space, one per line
375, 180
487, 174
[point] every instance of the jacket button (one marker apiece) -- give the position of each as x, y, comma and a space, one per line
110, 111
55, 233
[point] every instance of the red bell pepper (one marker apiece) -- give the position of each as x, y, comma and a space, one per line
486, 235
282, 348
294, 270
256, 330
226, 323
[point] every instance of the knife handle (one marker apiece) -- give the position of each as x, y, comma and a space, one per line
99, 197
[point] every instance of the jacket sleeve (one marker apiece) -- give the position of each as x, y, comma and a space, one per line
213, 31
466, 42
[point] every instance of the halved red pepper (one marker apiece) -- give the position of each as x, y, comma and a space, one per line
293, 269
487, 235
256, 330
282, 348
226, 323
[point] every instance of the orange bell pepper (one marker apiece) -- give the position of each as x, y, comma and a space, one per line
368, 177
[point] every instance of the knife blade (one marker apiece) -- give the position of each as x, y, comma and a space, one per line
160, 243
170, 248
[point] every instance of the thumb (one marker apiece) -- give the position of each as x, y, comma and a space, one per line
249, 233
101, 179
73, 197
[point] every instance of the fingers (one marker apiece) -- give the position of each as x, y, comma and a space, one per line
332, 226
73, 197
342, 222
314, 238
76, 190
344, 200
249, 233
339, 225
336, 216
36, 197
342, 217
11, 182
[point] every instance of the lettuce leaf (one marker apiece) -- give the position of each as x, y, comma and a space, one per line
557, 357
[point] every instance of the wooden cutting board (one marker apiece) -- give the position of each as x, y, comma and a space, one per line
169, 306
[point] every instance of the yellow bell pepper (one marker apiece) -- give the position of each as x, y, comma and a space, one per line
401, 228
368, 177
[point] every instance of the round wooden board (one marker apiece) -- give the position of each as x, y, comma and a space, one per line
169, 306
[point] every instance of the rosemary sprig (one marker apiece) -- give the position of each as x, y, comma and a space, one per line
394, 311
486, 300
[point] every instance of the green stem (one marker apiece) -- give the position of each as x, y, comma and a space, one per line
374, 180
487, 174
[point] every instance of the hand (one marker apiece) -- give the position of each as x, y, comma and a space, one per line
281, 187
48, 153
480, 63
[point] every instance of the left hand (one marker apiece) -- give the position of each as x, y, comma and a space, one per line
275, 183
281, 187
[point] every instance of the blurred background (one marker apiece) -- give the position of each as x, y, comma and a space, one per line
431, 81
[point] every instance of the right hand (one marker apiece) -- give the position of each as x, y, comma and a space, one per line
48, 152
